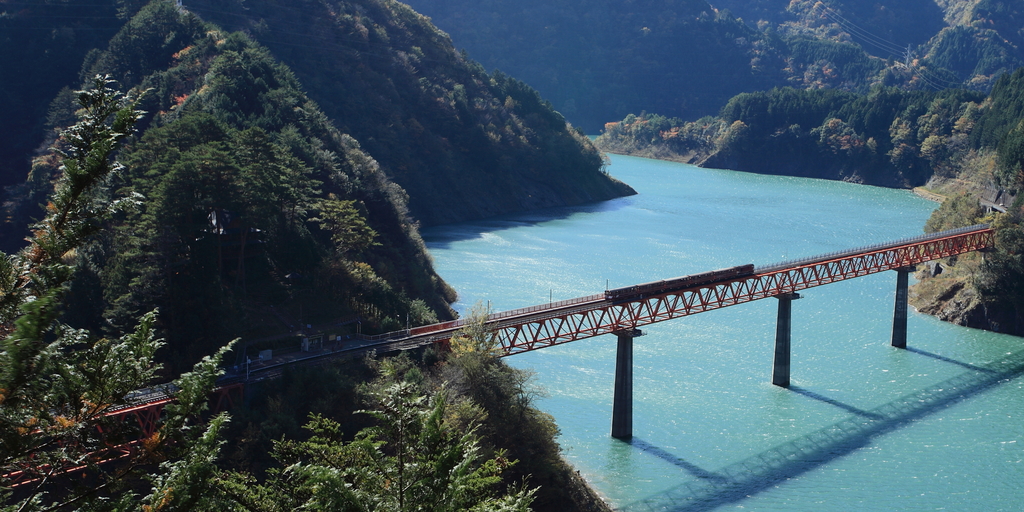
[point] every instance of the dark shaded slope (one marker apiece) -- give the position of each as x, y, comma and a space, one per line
601, 60
463, 144
904, 22
42, 45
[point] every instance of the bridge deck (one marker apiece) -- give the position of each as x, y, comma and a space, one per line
526, 329
543, 325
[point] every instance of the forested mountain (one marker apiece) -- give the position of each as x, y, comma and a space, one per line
241, 181
463, 143
902, 22
599, 61
259, 210
888, 137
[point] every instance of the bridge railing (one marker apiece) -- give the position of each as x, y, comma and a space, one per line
545, 307
869, 248
404, 333
455, 324
147, 395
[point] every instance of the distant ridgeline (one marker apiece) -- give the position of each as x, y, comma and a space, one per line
888, 137
961, 145
258, 211
600, 60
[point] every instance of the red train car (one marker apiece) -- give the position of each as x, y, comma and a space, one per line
664, 285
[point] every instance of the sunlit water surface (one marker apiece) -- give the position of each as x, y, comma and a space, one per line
864, 427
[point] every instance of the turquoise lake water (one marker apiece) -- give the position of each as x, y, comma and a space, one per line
864, 426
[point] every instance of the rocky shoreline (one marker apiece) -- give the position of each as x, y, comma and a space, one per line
953, 300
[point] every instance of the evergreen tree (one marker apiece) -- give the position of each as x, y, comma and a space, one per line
419, 457
59, 384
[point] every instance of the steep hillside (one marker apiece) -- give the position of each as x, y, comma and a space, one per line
256, 214
883, 28
42, 45
985, 292
927, 44
907, 22
599, 61
463, 143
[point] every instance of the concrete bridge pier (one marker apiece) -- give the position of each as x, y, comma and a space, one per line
783, 328
622, 404
899, 316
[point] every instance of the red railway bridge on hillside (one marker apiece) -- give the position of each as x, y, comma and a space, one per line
623, 311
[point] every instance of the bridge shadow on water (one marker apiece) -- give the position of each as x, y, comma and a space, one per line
948, 360
441, 237
763, 471
831, 401
693, 469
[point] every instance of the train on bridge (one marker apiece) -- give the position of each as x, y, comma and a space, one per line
678, 283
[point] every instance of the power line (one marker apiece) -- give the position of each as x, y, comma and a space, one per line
868, 37
927, 76
935, 77
864, 33
929, 82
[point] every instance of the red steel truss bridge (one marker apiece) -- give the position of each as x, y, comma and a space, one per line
142, 414
537, 327
624, 310
629, 308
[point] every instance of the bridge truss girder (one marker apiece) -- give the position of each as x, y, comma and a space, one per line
148, 417
609, 317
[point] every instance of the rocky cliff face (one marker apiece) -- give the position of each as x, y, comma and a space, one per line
952, 299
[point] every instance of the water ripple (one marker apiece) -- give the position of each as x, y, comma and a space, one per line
737, 481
